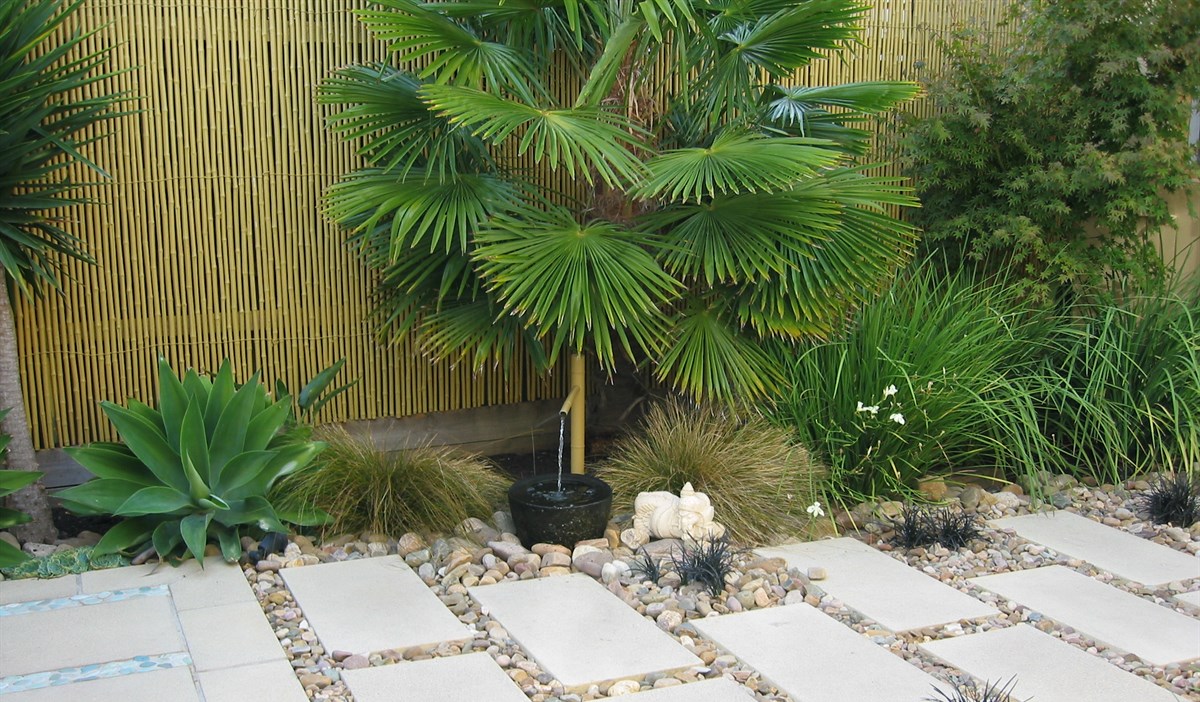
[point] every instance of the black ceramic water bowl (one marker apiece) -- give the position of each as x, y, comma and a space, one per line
542, 514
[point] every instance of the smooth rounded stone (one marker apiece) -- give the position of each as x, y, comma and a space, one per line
417, 557
506, 550
503, 522
376, 549
613, 571
409, 543
663, 548
623, 687
543, 549
439, 550
970, 496
934, 489
556, 559
315, 680
761, 598
733, 604
592, 563
669, 619
601, 543
426, 571
550, 571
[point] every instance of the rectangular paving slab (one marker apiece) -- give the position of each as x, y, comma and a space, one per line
814, 658
579, 631
879, 586
371, 604
1114, 550
1046, 669
1153, 633
473, 677
1190, 598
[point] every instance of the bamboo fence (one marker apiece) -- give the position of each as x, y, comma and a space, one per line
209, 239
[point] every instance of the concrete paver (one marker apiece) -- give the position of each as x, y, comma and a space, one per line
579, 632
111, 631
1153, 633
1111, 549
220, 584
879, 586
814, 658
12, 591
473, 677
261, 682
371, 604
1046, 669
170, 685
1191, 598
714, 690
229, 635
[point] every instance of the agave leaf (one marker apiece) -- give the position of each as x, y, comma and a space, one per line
194, 530
112, 460
218, 398
12, 517
231, 544
13, 480
128, 535
288, 460
303, 515
240, 470
147, 443
158, 500
266, 424
146, 412
11, 556
213, 502
193, 450
197, 386
229, 435
320, 382
173, 400
166, 538
99, 496
252, 510
196, 486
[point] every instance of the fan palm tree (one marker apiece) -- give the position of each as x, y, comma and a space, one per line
46, 116
711, 206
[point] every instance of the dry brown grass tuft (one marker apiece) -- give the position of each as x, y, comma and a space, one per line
760, 482
427, 489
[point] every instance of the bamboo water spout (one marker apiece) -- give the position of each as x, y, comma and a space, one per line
574, 406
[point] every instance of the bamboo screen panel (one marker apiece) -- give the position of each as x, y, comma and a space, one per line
209, 240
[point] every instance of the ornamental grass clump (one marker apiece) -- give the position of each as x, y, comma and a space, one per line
920, 525
972, 692
705, 563
761, 483
364, 488
1173, 500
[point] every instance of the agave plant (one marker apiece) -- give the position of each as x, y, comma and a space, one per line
194, 470
634, 179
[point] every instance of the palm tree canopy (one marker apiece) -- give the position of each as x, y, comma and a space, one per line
713, 205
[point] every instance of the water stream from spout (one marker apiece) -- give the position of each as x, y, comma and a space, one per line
562, 428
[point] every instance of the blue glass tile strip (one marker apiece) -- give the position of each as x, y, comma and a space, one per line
94, 671
16, 608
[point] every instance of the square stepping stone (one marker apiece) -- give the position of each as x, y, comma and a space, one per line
714, 690
814, 658
229, 635
34, 589
270, 682
371, 604
1190, 598
100, 633
579, 631
468, 678
879, 586
1046, 669
1120, 619
169, 685
1114, 550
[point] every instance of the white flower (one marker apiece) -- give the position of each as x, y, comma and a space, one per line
889, 391
873, 409
815, 510
897, 418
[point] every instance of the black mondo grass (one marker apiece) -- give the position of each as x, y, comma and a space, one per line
1173, 500
925, 526
706, 563
646, 566
970, 692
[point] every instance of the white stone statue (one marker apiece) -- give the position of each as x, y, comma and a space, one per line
662, 515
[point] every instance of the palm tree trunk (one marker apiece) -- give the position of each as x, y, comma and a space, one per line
32, 499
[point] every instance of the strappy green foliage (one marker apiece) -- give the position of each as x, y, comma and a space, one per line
195, 470
715, 207
10, 482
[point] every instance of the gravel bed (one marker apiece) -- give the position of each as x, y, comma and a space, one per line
484, 554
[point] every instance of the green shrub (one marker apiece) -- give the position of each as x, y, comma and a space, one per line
10, 482
929, 378
364, 488
759, 480
1122, 387
195, 470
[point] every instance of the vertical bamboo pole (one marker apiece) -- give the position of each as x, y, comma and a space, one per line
579, 390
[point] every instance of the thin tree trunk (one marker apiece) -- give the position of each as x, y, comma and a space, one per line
32, 499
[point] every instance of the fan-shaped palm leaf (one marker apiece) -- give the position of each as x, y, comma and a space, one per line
449, 51
737, 162
581, 281
578, 141
709, 356
792, 37
794, 104
479, 333
416, 208
546, 26
417, 285
379, 105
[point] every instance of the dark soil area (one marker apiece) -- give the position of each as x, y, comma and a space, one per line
70, 525
523, 465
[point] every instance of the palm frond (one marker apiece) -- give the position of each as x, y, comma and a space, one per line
448, 51
415, 209
709, 356
379, 105
803, 110
417, 285
579, 141
737, 162
791, 38
545, 26
581, 281
479, 333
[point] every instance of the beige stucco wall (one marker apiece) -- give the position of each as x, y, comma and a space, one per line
1182, 246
